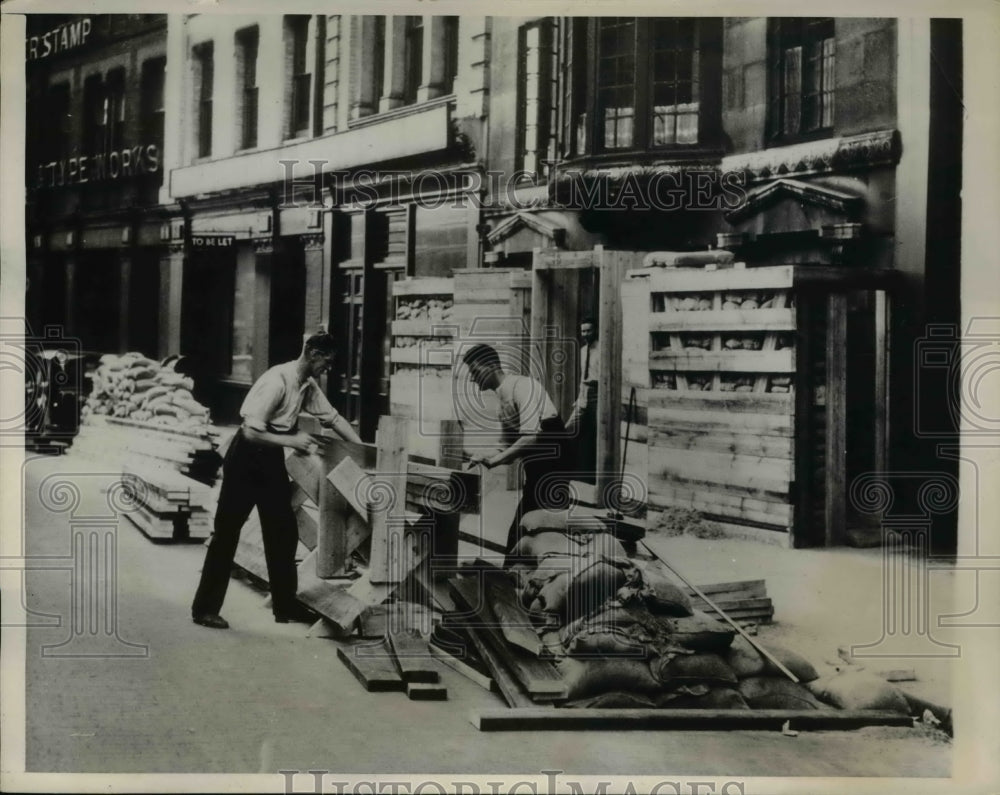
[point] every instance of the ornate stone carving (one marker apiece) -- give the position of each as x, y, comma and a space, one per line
263, 245
817, 157
312, 242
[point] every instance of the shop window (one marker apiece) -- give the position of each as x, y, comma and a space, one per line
535, 93
153, 74
114, 111
413, 58
204, 64
645, 84
299, 76
801, 62
246, 65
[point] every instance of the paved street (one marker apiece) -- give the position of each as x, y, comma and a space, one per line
263, 697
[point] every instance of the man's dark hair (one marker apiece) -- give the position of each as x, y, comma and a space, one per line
322, 343
483, 355
589, 319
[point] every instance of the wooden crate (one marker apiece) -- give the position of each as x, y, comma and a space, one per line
422, 328
736, 372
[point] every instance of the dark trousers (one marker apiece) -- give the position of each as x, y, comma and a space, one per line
252, 475
546, 476
586, 440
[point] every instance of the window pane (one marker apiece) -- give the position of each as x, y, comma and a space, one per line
792, 89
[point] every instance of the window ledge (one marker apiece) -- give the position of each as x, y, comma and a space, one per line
646, 157
397, 113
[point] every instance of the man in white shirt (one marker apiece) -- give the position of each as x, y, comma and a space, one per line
582, 422
254, 474
532, 432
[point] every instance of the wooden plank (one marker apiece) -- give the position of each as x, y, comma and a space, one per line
505, 681
421, 691
426, 285
752, 444
463, 668
721, 421
412, 656
372, 665
540, 718
538, 677
609, 407
769, 491
306, 471
771, 339
728, 402
740, 320
698, 280
353, 484
755, 588
424, 355
441, 489
770, 474
331, 531
835, 508
691, 360
306, 519
514, 621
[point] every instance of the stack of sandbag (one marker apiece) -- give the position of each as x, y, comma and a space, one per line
134, 387
625, 635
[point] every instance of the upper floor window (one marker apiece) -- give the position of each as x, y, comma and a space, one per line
413, 58
204, 65
535, 96
93, 114
640, 83
55, 128
300, 77
151, 100
246, 71
450, 54
802, 54
114, 110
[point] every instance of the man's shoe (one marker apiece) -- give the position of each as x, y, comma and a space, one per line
211, 620
297, 613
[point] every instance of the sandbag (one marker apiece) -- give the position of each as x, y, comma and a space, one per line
859, 690
772, 692
589, 677
614, 700
555, 550
572, 596
544, 519
702, 667
701, 632
606, 643
659, 593
720, 697
746, 661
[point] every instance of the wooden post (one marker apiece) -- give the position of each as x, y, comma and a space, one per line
881, 396
388, 515
836, 418
609, 400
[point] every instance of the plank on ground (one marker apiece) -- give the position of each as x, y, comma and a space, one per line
463, 668
535, 718
375, 669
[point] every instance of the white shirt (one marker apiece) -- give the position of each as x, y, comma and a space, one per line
594, 362
523, 405
277, 397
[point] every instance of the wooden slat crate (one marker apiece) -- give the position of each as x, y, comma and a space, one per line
731, 374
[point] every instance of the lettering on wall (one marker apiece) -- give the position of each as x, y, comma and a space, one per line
128, 162
65, 37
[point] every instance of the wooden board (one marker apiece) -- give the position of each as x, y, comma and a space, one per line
697, 360
681, 419
752, 444
540, 718
372, 665
386, 519
462, 667
723, 320
413, 659
422, 691
748, 472
508, 685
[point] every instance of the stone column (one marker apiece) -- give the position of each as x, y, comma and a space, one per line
264, 252
394, 74
171, 286
434, 59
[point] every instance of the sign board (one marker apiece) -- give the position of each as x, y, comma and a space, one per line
213, 241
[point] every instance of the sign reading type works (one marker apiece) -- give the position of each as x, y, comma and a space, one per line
128, 162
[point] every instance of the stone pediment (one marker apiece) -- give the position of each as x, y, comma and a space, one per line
524, 221
796, 192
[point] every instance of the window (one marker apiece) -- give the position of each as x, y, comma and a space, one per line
802, 74
246, 60
450, 54
114, 111
93, 115
635, 83
205, 81
413, 58
535, 92
675, 81
55, 129
153, 74
301, 78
